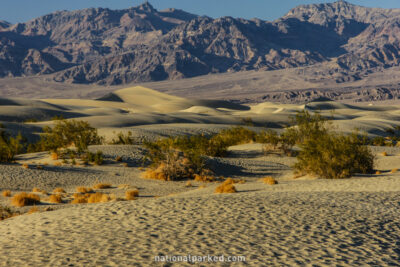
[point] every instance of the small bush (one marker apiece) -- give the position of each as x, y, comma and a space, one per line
6, 213
55, 199
98, 158
36, 190
269, 180
102, 186
6, 193
384, 154
131, 194
66, 133
394, 170
59, 190
80, 199
123, 139
25, 199
225, 189
82, 189
98, 197
10, 146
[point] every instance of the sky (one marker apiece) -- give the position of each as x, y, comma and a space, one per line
23, 10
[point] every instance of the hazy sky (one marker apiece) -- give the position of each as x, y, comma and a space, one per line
23, 10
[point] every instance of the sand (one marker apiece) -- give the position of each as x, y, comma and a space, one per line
298, 222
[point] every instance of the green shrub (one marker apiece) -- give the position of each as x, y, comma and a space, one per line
334, 156
10, 146
123, 139
66, 133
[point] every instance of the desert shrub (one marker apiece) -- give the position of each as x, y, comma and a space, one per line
6, 193
102, 186
33, 210
118, 159
59, 190
80, 199
36, 190
98, 158
225, 188
269, 180
378, 141
57, 118
10, 146
25, 199
334, 155
55, 199
66, 133
394, 170
123, 139
6, 213
131, 194
248, 121
98, 197
82, 189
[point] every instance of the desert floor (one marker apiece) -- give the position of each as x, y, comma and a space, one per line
304, 221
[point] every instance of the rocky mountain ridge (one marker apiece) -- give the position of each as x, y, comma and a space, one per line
140, 44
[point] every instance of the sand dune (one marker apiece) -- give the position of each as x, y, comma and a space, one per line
307, 221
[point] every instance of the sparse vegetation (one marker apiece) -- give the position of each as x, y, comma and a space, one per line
269, 180
123, 139
25, 199
55, 199
59, 190
131, 194
226, 187
6, 193
102, 186
6, 213
10, 146
98, 197
83, 190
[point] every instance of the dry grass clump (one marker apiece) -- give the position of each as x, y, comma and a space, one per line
102, 186
378, 172
269, 180
39, 167
98, 197
6, 193
394, 170
25, 199
118, 159
33, 210
25, 166
55, 199
385, 154
131, 194
36, 190
54, 156
83, 190
6, 213
80, 199
57, 164
188, 184
59, 190
124, 186
204, 178
225, 189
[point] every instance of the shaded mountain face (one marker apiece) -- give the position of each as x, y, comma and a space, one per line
142, 44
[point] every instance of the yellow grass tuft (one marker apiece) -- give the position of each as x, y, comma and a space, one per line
154, 174
131, 194
385, 154
98, 197
36, 190
204, 178
118, 159
124, 186
39, 167
25, 199
188, 184
59, 190
57, 164
54, 156
269, 180
6, 193
25, 166
82, 189
225, 189
394, 170
33, 210
102, 186
378, 172
55, 199
80, 199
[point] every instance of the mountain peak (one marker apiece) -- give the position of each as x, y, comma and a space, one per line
147, 7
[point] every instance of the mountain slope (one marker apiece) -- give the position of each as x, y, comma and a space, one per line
141, 44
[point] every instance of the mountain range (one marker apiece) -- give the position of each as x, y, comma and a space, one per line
141, 44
